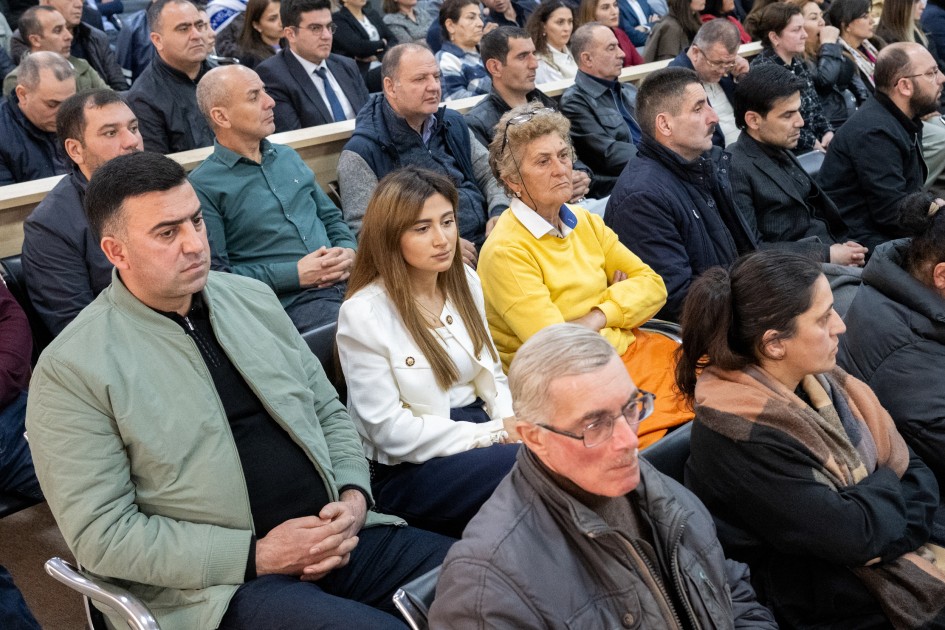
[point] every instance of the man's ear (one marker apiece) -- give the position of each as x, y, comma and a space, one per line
753, 120
115, 251
663, 125
494, 67
74, 150
219, 117
533, 436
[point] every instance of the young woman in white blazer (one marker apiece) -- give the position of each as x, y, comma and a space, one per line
425, 385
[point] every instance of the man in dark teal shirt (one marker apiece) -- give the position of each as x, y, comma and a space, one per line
266, 216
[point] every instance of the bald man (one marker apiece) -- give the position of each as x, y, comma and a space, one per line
875, 160
266, 216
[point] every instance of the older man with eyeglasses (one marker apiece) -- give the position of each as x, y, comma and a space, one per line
714, 57
311, 86
583, 533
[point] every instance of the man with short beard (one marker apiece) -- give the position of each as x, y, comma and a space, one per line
64, 267
875, 160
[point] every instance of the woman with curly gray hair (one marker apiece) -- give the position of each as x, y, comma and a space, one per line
547, 262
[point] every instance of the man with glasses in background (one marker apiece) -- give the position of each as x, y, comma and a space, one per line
311, 86
164, 98
714, 57
631, 547
875, 160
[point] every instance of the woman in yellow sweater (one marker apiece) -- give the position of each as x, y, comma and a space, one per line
546, 262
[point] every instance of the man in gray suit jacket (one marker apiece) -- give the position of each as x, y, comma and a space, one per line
780, 200
310, 85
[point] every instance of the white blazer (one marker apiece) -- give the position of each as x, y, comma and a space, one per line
400, 411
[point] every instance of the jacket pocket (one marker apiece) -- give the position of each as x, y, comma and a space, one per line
613, 611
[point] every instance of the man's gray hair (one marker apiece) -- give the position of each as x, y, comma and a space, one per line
28, 72
717, 31
554, 352
581, 39
391, 63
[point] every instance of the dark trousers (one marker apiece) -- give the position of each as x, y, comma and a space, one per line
355, 596
316, 307
14, 615
444, 493
16, 462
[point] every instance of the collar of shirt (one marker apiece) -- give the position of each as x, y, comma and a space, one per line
230, 158
537, 226
308, 66
429, 126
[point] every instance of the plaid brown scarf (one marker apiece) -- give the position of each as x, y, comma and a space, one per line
850, 435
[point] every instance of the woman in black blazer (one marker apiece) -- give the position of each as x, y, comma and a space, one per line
363, 36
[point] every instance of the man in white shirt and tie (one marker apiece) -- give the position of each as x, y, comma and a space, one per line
311, 86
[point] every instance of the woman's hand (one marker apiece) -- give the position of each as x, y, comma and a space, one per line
829, 35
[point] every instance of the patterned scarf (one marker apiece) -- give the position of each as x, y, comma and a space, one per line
864, 57
849, 435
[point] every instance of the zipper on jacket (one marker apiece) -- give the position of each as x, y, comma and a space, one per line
677, 578
665, 602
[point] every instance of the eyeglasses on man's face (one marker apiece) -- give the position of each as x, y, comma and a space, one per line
718, 64
318, 29
931, 75
596, 433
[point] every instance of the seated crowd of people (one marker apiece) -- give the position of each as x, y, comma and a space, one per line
488, 278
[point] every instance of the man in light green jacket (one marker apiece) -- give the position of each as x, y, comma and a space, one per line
189, 444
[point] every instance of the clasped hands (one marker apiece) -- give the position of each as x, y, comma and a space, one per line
313, 546
325, 266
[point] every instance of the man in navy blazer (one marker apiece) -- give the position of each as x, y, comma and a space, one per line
303, 97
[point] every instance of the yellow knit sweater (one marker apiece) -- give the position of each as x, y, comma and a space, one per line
532, 283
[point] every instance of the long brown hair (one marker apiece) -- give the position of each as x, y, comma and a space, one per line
393, 209
687, 18
250, 39
897, 23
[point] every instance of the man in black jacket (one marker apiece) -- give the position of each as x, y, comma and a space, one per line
164, 98
773, 192
62, 261
508, 53
88, 43
294, 77
600, 108
875, 160
28, 148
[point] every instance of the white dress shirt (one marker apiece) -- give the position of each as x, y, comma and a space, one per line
310, 68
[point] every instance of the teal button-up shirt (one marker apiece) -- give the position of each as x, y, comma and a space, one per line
263, 218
